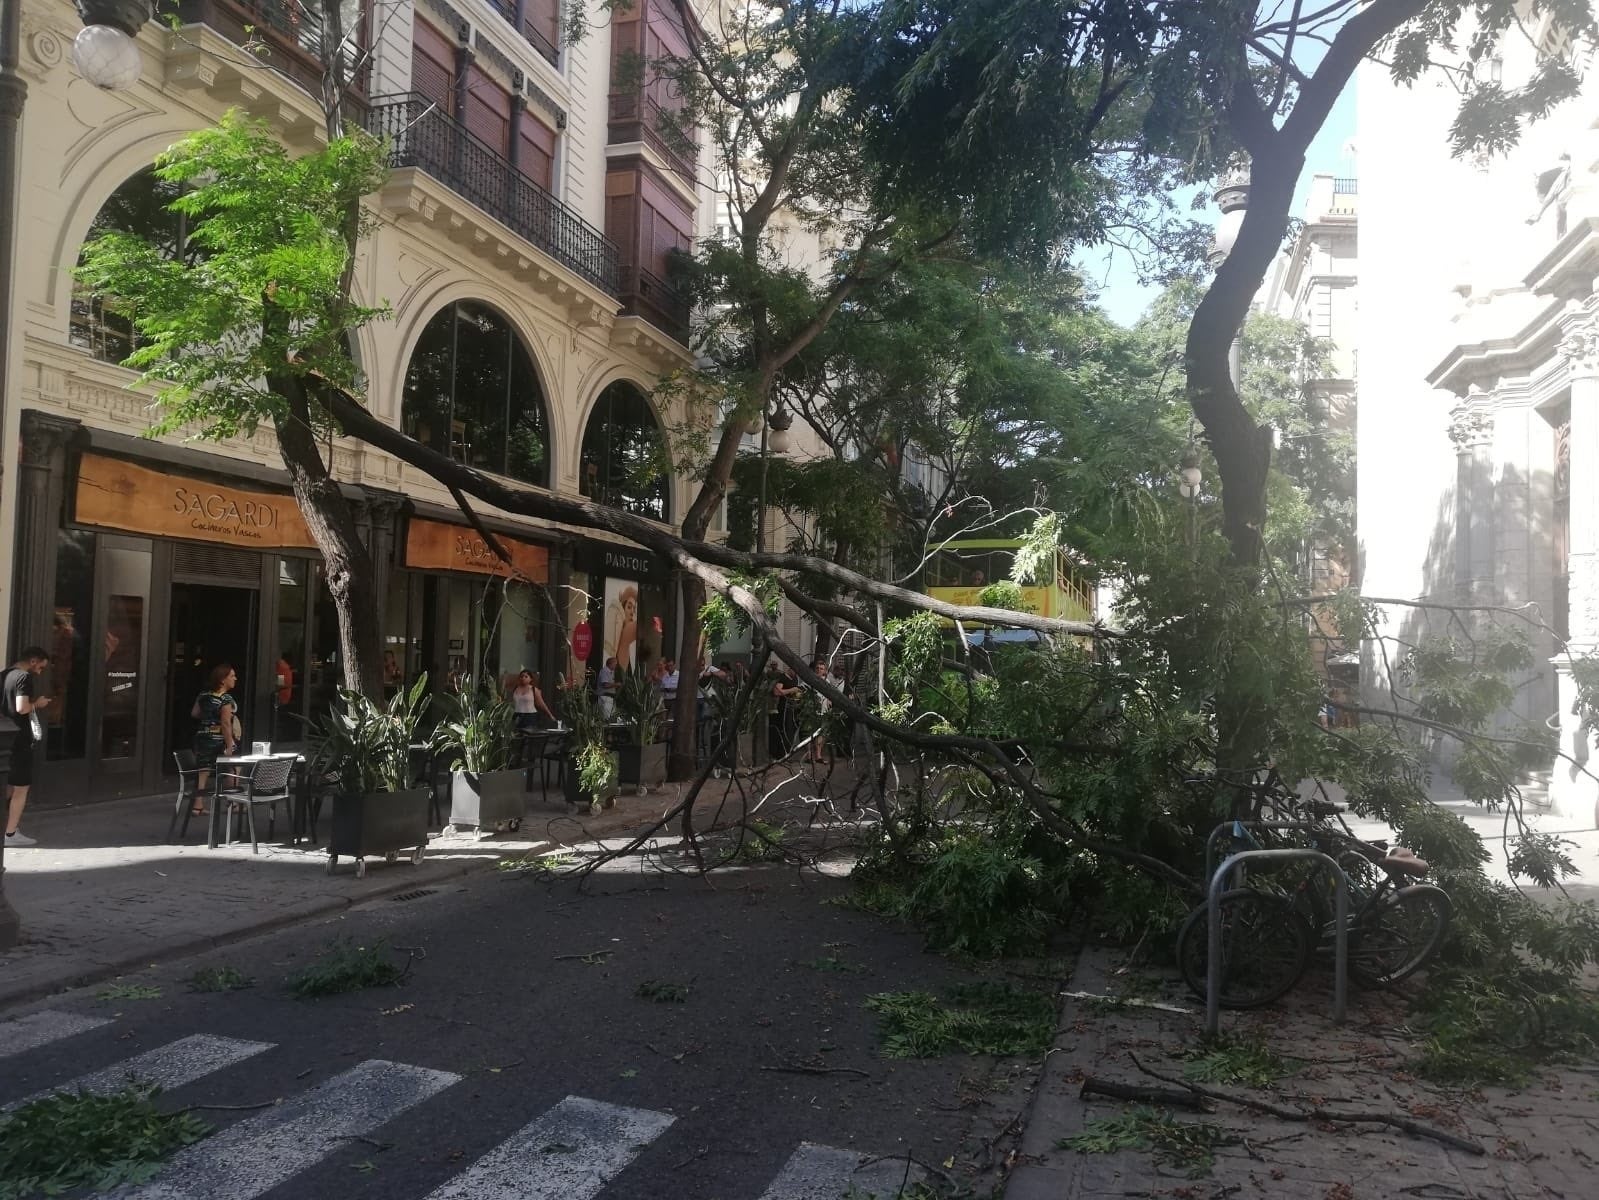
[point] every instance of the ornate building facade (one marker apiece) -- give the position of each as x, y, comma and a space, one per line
521, 242
1479, 432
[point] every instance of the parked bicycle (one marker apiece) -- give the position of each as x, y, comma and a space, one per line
1269, 930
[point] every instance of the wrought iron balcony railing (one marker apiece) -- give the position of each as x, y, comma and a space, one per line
548, 50
645, 294
293, 28
635, 117
423, 136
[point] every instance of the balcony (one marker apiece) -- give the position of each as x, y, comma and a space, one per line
423, 136
645, 294
637, 118
288, 34
548, 50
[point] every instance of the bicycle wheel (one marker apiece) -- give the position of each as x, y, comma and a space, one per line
1265, 945
1398, 936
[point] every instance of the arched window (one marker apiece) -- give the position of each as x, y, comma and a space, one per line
623, 454
139, 207
471, 392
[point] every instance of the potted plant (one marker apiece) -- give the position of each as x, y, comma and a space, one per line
592, 768
474, 735
639, 709
365, 750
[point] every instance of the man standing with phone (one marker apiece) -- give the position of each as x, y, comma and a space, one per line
17, 693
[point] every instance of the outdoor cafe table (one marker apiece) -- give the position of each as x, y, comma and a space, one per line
249, 762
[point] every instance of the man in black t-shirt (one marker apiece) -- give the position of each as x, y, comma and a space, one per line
22, 706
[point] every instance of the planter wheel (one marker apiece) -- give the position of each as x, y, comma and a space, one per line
360, 868
514, 824
391, 856
333, 861
416, 856
594, 808
448, 831
610, 801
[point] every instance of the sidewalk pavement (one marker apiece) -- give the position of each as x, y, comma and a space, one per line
1535, 1140
102, 893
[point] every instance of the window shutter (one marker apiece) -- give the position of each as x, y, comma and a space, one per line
433, 65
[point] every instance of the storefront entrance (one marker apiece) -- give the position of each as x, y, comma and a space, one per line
209, 625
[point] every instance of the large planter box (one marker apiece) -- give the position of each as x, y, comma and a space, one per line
642, 767
575, 796
486, 800
381, 823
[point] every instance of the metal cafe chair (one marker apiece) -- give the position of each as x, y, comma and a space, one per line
267, 784
188, 792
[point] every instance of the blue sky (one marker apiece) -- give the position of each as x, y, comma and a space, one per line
1124, 299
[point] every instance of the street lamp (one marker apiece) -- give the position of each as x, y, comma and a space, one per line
782, 419
1188, 475
106, 49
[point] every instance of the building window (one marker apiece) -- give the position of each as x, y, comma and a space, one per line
624, 454
471, 392
140, 207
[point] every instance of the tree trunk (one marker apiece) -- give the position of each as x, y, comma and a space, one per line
680, 760
347, 563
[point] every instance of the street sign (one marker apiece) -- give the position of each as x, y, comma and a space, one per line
582, 641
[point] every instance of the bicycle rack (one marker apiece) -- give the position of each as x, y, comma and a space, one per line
1229, 826
1213, 930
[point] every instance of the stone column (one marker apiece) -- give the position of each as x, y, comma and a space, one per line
39, 498
1471, 430
1572, 792
377, 515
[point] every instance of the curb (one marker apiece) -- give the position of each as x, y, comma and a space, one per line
1048, 1118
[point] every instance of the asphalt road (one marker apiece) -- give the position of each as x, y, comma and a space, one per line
518, 1059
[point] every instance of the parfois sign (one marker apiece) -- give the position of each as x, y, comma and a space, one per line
122, 495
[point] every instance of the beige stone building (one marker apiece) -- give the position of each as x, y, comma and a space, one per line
521, 241
1479, 361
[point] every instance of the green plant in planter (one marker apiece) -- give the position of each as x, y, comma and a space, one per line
596, 769
475, 731
639, 705
593, 765
367, 744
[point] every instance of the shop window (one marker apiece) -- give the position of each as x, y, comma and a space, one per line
289, 671
624, 454
471, 392
140, 207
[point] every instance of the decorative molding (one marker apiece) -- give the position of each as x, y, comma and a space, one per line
47, 49
510, 73
447, 12
1579, 341
1471, 422
544, 100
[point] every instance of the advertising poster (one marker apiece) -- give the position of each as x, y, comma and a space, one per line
621, 622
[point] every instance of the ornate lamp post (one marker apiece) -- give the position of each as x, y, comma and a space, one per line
105, 50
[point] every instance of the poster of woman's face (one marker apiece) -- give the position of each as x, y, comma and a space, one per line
621, 623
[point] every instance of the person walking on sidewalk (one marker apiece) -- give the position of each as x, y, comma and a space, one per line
218, 714
21, 704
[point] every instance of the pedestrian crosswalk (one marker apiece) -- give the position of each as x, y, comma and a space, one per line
572, 1151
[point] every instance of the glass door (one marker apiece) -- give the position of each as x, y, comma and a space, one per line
119, 651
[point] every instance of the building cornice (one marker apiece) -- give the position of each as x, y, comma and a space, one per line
1570, 265
1470, 362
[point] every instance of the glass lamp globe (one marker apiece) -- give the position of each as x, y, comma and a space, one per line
107, 57
777, 440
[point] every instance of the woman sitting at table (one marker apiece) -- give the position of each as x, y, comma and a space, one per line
531, 711
218, 714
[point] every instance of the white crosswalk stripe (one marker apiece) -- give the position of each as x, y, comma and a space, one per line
569, 1153
42, 1028
820, 1173
254, 1156
167, 1067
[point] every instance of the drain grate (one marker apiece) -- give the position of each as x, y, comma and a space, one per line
416, 895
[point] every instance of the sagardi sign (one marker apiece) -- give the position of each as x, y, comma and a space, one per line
120, 495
